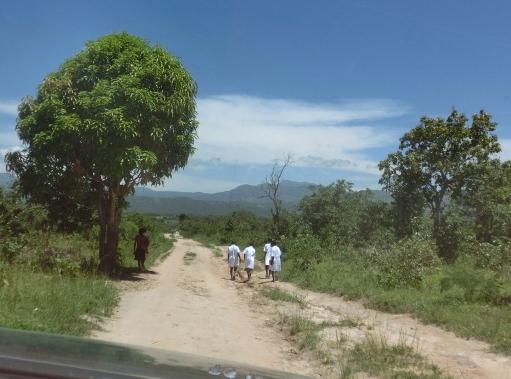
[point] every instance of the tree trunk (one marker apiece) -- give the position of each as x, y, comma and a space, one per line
110, 217
275, 212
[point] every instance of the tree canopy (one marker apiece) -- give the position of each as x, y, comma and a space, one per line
435, 160
118, 114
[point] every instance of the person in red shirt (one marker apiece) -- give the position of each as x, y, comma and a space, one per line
140, 249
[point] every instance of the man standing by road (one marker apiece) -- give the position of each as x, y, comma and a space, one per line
233, 259
141, 248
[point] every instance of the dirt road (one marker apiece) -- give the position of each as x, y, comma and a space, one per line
190, 305
194, 308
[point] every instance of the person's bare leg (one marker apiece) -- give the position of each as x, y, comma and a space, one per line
273, 276
267, 271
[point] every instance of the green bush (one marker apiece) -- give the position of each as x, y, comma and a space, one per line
494, 256
304, 250
476, 285
405, 263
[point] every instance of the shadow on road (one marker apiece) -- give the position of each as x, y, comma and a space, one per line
131, 274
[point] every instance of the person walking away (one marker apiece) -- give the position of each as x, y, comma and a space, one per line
276, 264
141, 249
267, 256
233, 259
249, 255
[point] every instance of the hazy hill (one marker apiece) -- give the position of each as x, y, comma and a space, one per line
290, 192
245, 197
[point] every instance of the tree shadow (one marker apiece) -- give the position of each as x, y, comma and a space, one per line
131, 274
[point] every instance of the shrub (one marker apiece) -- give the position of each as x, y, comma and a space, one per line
477, 285
405, 263
304, 250
494, 256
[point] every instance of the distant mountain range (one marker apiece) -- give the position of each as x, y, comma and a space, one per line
245, 197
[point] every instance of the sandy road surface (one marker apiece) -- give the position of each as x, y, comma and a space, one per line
194, 308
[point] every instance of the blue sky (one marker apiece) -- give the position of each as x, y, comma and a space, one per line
334, 83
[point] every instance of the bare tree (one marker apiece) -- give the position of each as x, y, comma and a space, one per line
271, 190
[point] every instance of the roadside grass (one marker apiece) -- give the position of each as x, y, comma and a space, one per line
49, 280
52, 303
302, 329
189, 257
448, 309
217, 252
278, 294
373, 355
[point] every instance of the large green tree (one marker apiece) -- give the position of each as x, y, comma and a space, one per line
120, 113
487, 196
435, 160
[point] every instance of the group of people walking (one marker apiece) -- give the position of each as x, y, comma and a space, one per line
272, 259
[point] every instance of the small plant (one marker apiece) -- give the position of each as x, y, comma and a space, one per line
278, 294
477, 285
376, 357
189, 257
406, 263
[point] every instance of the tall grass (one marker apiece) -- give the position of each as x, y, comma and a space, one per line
49, 280
52, 303
278, 294
452, 309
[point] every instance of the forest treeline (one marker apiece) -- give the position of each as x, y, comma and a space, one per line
440, 250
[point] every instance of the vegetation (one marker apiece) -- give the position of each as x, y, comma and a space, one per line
189, 257
53, 303
376, 357
372, 356
435, 161
278, 294
49, 279
118, 114
441, 250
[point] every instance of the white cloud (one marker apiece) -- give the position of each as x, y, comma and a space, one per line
248, 130
8, 139
9, 107
190, 183
505, 144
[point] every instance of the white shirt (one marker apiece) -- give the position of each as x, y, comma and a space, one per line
249, 252
275, 252
233, 251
